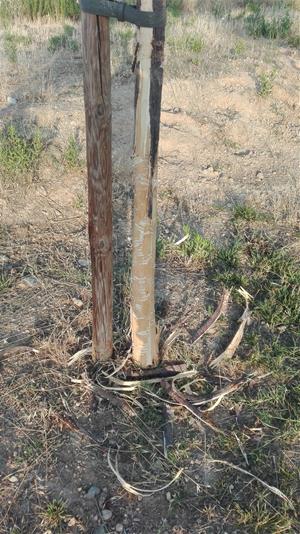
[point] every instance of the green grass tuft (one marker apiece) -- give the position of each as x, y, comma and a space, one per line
71, 155
20, 152
11, 43
245, 213
277, 26
265, 84
63, 40
55, 514
34, 9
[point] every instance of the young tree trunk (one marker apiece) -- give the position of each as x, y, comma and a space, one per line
97, 91
149, 78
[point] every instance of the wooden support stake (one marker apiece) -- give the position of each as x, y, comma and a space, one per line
149, 79
97, 92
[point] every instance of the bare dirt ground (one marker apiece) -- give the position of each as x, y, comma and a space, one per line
228, 169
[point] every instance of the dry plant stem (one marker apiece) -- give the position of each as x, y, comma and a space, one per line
149, 77
221, 309
235, 342
180, 399
97, 92
274, 490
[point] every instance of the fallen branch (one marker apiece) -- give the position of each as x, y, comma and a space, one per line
214, 318
235, 342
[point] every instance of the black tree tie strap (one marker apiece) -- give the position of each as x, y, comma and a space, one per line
124, 12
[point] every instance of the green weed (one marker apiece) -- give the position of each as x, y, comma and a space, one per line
274, 27
175, 7
55, 514
265, 84
245, 213
20, 152
4, 282
64, 40
194, 44
71, 154
239, 48
34, 9
11, 42
196, 247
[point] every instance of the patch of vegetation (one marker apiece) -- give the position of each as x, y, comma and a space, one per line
20, 152
55, 514
194, 44
34, 9
4, 282
195, 247
277, 280
265, 84
278, 25
294, 41
175, 7
71, 156
11, 43
188, 43
239, 48
245, 213
63, 40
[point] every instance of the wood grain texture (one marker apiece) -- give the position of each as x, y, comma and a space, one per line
149, 78
97, 94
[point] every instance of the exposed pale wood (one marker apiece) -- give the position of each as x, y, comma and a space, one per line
149, 77
97, 91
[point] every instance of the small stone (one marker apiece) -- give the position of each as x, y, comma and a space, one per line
83, 264
242, 153
11, 101
72, 522
28, 281
93, 492
77, 302
259, 175
119, 527
169, 496
100, 530
13, 479
107, 515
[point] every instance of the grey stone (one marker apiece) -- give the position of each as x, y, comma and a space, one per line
83, 264
11, 101
28, 281
100, 530
119, 527
93, 492
107, 515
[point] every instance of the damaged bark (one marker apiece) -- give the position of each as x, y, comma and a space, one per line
149, 79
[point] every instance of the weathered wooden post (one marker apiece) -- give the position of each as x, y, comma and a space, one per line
97, 93
149, 79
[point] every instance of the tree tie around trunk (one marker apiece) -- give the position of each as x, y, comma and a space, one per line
124, 12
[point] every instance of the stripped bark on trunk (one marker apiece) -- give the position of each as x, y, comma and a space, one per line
97, 91
149, 78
